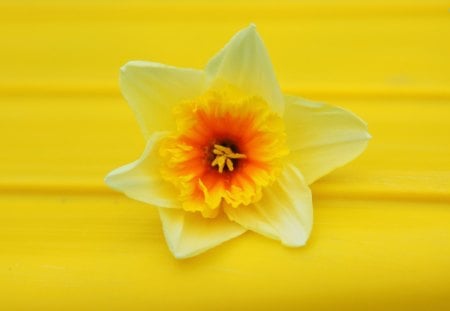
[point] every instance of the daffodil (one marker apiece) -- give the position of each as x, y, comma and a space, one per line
227, 152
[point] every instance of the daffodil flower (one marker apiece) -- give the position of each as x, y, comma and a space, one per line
227, 152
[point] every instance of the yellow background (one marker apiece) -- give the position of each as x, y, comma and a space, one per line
381, 239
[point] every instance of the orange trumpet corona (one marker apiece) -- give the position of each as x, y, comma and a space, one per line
228, 146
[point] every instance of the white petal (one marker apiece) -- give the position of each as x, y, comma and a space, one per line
283, 213
152, 89
245, 63
322, 137
189, 234
141, 179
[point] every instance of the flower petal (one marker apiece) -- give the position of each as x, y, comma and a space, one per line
245, 63
322, 137
189, 234
284, 211
141, 179
152, 89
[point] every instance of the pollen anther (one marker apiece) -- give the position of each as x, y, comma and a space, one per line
224, 158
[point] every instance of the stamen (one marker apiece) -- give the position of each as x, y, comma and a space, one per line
224, 157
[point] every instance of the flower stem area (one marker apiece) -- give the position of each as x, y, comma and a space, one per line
381, 237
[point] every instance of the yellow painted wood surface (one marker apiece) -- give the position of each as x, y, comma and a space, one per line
381, 239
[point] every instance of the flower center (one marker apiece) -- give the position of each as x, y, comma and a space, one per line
226, 148
225, 158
